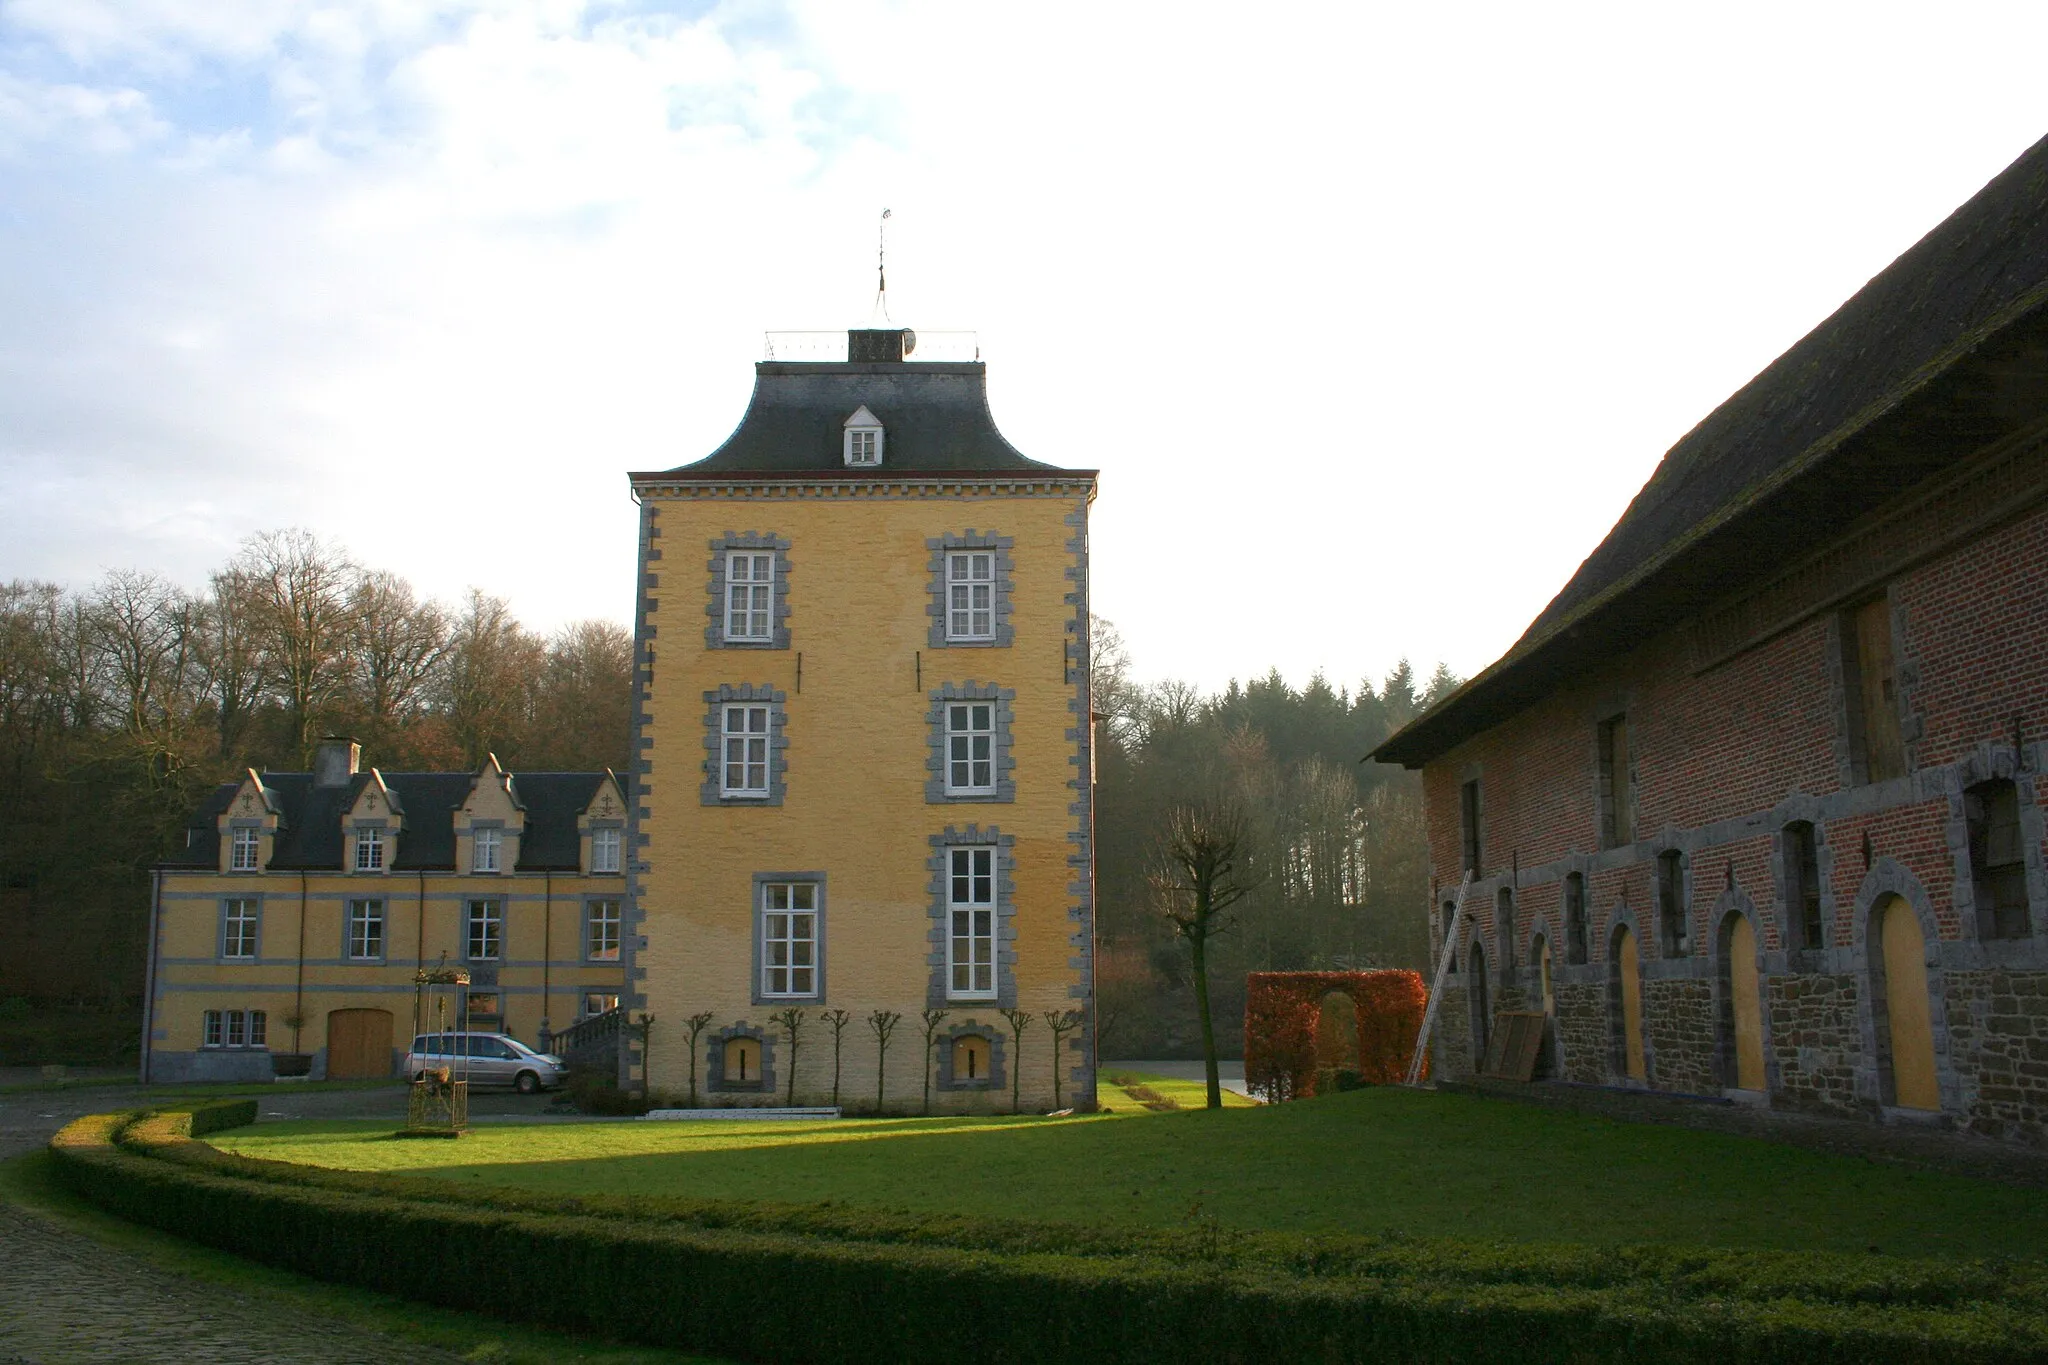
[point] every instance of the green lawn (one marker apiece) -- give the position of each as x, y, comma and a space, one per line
1370, 1161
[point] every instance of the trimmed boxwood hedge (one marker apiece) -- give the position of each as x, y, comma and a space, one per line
827, 1283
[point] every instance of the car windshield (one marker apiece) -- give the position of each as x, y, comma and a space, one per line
521, 1048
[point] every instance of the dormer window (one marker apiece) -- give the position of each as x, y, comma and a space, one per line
369, 850
246, 855
863, 440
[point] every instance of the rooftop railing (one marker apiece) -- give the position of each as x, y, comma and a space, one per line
831, 346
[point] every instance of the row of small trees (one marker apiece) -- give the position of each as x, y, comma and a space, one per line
882, 1024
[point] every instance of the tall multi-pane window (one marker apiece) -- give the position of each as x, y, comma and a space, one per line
238, 1029
971, 937
603, 943
745, 769
238, 928
235, 1028
245, 850
970, 747
485, 844
214, 1029
749, 596
1802, 883
1574, 918
366, 930
971, 595
486, 930
369, 850
604, 850
1998, 866
789, 938
259, 1029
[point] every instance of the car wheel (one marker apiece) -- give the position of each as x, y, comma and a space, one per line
527, 1084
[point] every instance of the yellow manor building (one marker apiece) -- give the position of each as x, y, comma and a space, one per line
286, 936
864, 774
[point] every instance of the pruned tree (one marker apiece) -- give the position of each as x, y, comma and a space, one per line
1198, 876
1019, 1021
792, 1021
932, 1020
1061, 1023
837, 1020
693, 1028
882, 1023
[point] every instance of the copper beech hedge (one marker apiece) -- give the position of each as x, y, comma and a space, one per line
1282, 1011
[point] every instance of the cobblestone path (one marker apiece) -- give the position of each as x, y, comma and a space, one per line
65, 1297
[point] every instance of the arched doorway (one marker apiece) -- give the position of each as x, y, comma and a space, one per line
1625, 969
1482, 1005
358, 1045
1741, 990
1908, 1031
1337, 1031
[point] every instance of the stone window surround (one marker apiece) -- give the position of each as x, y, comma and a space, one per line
348, 907
712, 792
1005, 588
1004, 760
937, 994
588, 903
1785, 877
995, 1080
220, 934
1607, 803
1990, 763
1849, 760
756, 994
778, 607
715, 1060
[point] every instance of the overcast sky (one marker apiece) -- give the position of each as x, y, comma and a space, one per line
1373, 317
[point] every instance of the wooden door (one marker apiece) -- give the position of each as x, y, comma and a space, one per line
1630, 968
358, 1045
1743, 996
1905, 999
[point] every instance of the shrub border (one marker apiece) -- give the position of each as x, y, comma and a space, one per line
793, 1283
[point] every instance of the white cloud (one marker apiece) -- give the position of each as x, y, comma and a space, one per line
1374, 319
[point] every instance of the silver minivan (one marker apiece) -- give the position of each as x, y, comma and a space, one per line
485, 1059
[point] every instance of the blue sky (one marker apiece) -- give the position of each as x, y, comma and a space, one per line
1374, 317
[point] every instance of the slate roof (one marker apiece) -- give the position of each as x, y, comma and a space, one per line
934, 415
1768, 472
311, 837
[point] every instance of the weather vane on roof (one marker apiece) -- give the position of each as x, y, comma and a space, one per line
882, 267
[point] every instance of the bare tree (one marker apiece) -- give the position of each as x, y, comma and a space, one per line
583, 697
1198, 876
144, 627
395, 643
487, 682
228, 654
299, 588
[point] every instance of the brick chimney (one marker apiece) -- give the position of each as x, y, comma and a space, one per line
334, 762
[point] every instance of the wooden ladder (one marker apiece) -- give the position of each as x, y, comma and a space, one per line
1436, 987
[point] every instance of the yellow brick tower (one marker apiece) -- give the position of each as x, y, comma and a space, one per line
864, 776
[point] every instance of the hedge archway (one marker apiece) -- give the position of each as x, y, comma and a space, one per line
1284, 1011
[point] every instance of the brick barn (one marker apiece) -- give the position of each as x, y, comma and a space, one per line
1754, 808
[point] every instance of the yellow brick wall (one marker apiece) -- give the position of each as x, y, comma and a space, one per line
543, 926
855, 807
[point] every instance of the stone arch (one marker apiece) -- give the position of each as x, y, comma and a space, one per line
1629, 1052
1543, 938
1889, 881
1742, 1021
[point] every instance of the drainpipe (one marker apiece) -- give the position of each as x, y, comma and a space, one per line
547, 954
156, 913
419, 959
299, 989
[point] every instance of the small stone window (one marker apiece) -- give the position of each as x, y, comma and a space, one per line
742, 1061
1998, 866
1468, 825
1504, 928
863, 448
1802, 884
1671, 917
1575, 919
1617, 788
970, 1058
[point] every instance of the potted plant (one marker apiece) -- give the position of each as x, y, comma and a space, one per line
294, 1064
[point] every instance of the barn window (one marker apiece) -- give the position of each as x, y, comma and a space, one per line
1671, 917
1997, 863
1870, 693
1575, 918
1802, 883
1617, 791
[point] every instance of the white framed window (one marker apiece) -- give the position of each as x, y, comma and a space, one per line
246, 850
366, 931
486, 924
970, 748
214, 1029
259, 1029
369, 850
745, 766
601, 937
789, 939
239, 918
749, 595
971, 931
485, 842
604, 849
236, 1028
863, 448
970, 595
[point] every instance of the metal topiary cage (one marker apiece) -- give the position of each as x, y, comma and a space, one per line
437, 1102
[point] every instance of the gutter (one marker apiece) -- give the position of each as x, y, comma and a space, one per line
149, 975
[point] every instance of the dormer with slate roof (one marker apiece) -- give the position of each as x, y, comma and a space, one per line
601, 829
371, 827
863, 439
249, 826
490, 822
